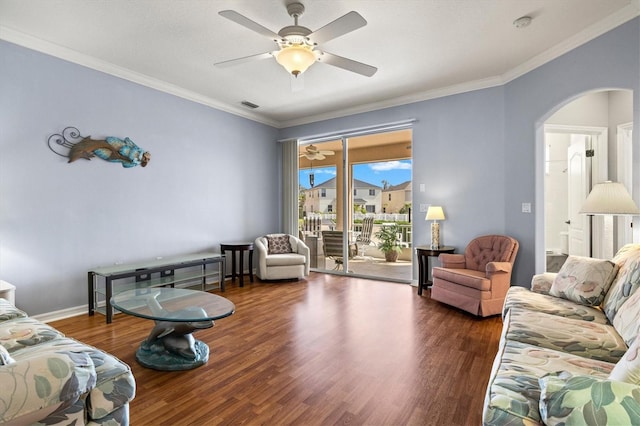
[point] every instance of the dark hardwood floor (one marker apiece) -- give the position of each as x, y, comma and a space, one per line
328, 350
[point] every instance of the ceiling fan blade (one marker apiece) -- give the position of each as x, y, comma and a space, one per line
244, 59
347, 64
343, 25
326, 152
248, 23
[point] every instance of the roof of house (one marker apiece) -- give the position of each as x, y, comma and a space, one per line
358, 184
404, 186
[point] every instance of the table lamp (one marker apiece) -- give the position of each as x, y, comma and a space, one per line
435, 213
609, 198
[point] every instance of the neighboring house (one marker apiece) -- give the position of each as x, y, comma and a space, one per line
322, 198
367, 195
395, 197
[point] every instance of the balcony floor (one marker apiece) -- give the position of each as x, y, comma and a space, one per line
374, 267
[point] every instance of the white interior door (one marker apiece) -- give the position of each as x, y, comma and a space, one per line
579, 184
625, 168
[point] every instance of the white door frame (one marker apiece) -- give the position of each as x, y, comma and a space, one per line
599, 173
624, 164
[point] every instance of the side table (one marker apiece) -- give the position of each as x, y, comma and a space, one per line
424, 253
240, 248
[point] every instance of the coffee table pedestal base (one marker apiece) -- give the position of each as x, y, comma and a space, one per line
157, 357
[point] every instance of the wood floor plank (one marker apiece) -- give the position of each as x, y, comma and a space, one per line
326, 350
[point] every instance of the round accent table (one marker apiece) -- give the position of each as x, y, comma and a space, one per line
177, 313
239, 248
424, 253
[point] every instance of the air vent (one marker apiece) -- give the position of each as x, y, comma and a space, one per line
249, 104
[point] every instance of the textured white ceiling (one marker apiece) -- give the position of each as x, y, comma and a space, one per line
422, 48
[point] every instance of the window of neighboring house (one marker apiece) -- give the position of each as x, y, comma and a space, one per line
323, 192
330, 208
355, 192
372, 192
370, 208
384, 210
389, 197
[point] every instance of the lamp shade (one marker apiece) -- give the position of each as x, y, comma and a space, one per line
609, 198
296, 58
434, 213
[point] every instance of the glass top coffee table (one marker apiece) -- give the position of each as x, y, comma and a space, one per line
177, 313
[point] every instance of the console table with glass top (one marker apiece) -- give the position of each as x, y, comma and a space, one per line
105, 282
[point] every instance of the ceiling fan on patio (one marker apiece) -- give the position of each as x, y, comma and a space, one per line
298, 45
313, 153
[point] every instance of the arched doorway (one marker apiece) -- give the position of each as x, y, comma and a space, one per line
599, 122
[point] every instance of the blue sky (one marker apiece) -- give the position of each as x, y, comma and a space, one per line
395, 172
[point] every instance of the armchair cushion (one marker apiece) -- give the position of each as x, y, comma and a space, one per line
584, 280
279, 244
466, 277
455, 261
489, 248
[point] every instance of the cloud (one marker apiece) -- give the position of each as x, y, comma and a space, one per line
322, 171
390, 165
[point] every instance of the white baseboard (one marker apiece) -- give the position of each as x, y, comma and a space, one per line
62, 314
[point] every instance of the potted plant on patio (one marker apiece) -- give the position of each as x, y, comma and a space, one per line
389, 242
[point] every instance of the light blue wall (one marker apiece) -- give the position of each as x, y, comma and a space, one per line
214, 176
612, 61
211, 178
458, 153
476, 152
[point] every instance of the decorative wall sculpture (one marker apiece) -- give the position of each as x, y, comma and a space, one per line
70, 143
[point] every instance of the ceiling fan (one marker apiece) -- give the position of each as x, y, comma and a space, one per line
313, 153
298, 45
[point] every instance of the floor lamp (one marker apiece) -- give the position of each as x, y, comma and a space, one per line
609, 199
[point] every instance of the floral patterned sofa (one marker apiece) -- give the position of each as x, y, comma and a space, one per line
49, 379
568, 352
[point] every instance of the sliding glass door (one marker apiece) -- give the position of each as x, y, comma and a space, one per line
355, 204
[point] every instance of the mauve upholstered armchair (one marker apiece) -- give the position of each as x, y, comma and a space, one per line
478, 280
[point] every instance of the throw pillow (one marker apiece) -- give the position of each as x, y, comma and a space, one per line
5, 358
628, 368
279, 244
584, 280
587, 400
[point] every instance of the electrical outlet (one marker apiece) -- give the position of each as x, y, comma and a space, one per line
422, 188
526, 207
424, 208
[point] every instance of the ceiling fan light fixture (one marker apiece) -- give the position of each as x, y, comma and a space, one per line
296, 58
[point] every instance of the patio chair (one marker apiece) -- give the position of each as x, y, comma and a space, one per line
332, 245
364, 239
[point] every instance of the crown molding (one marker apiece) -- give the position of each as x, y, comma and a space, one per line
60, 52
442, 92
614, 20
